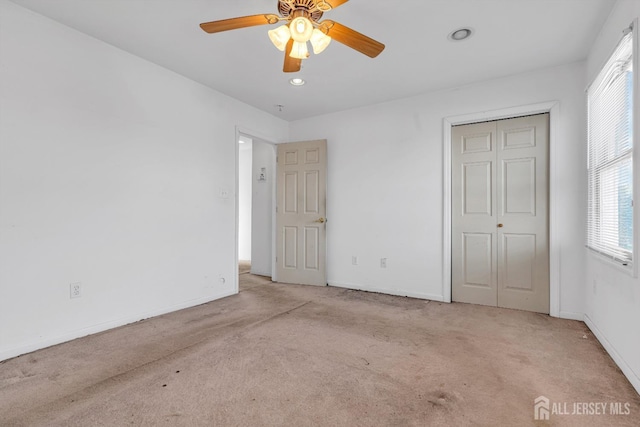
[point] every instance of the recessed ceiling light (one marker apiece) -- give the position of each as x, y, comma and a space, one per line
296, 81
460, 34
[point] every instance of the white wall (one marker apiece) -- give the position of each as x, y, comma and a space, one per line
245, 182
612, 307
111, 170
262, 220
385, 182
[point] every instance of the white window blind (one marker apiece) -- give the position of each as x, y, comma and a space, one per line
610, 129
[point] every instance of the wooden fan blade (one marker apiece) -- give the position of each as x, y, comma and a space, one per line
335, 3
291, 65
352, 38
235, 23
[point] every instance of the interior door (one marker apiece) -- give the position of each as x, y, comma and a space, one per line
500, 254
474, 270
301, 213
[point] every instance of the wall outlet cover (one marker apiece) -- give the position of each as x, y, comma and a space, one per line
75, 290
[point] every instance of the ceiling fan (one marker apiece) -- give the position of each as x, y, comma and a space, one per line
302, 25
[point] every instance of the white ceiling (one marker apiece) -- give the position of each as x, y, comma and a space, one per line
511, 36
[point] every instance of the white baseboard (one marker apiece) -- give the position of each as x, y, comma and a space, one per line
633, 378
101, 327
570, 315
395, 292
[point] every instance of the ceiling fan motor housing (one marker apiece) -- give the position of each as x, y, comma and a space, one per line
288, 7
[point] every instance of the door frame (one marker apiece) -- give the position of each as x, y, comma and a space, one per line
553, 108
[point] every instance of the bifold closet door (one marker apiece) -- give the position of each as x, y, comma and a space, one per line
500, 248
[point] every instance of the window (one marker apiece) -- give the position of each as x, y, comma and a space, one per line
610, 167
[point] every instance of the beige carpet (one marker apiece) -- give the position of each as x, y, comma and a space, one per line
305, 356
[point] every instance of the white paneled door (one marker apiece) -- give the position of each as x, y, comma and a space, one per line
301, 213
500, 245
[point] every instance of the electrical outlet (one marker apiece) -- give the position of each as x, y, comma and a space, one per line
75, 290
354, 260
383, 263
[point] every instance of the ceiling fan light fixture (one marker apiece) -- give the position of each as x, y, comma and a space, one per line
280, 36
319, 41
299, 50
301, 29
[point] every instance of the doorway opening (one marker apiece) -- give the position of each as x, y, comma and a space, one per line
256, 188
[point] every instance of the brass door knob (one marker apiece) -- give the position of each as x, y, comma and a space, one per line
320, 220
500, 225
